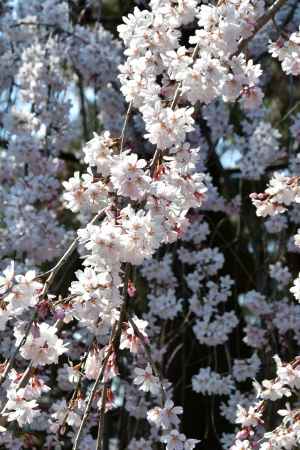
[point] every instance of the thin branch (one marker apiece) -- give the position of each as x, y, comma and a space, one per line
22, 383
290, 111
17, 349
100, 215
44, 292
158, 152
101, 424
125, 126
114, 343
91, 398
149, 357
262, 21
76, 390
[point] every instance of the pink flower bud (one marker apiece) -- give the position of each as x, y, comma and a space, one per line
243, 434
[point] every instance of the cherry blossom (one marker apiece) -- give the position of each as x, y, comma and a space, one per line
146, 381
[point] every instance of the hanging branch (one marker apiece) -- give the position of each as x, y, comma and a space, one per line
48, 283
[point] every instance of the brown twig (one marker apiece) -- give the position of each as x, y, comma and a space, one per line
114, 343
76, 390
262, 21
22, 383
158, 152
70, 249
99, 445
149, 357
91, 398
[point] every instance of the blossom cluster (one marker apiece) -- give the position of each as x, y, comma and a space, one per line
288, 53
